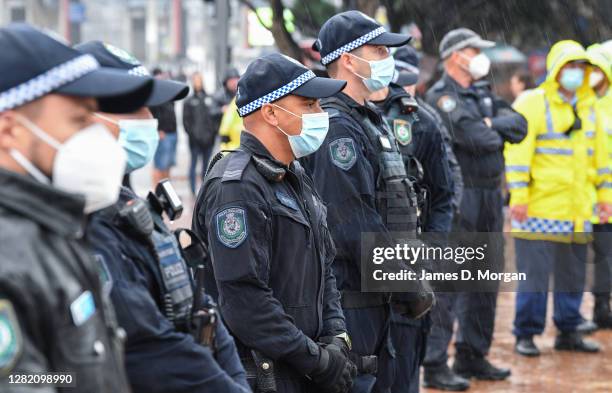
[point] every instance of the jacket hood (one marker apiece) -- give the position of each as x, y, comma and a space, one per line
560, 54
602, 58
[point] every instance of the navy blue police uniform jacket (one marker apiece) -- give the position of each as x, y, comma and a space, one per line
159, 358
271, 255
479, 148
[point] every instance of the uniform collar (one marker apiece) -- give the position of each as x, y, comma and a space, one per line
453, 85
251, 144
395, 92
29, 198
349, 101
369, 109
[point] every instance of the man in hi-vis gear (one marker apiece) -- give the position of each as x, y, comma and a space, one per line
551, 176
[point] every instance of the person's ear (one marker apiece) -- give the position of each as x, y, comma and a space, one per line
9, 130
347, 62
268, 114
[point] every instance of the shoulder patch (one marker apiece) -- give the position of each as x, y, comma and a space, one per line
403, 131
343, 153
11, 342
232, 226
447, 103
286, 200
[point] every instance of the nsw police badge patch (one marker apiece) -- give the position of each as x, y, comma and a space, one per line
10, 336
403, 131
232, 226
343, 153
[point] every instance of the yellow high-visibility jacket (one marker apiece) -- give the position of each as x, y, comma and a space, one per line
554, 172
602, 58
230, 128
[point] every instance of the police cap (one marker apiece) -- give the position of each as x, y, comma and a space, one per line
110, 56
37, 64
348, 31
273, 76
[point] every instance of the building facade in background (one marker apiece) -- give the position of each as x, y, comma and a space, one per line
179, 35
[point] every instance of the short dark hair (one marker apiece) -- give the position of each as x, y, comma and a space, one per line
332, 68
157, 71
524, 76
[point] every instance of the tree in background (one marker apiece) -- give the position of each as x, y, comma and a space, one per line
526, 24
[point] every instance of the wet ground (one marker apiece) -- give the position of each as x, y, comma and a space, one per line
553, 371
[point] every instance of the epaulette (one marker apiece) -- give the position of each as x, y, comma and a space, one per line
236, 165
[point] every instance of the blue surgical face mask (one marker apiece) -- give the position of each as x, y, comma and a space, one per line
314, 131
381, 72
572, 78
139, 139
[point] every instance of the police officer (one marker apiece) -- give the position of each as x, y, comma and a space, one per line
421, 144
407, 74
480, 123
422, 148
267, 233
358, 165
142, 267
53, 315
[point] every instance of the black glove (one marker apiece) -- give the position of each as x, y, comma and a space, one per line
335, 372
337, 342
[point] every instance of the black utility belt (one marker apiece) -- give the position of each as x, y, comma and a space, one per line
356, 299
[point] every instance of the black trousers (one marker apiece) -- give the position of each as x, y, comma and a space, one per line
481, 211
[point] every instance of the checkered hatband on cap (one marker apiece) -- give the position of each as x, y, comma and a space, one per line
139, 71
276, 94
47, 81
352, 45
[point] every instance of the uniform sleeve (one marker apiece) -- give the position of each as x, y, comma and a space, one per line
227, 355
603, 180
453, 164
333, 317
469, 131
518, 156
25, 312
158, 357
511, 125
238, 225
20, 353
344, 178
437, 177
